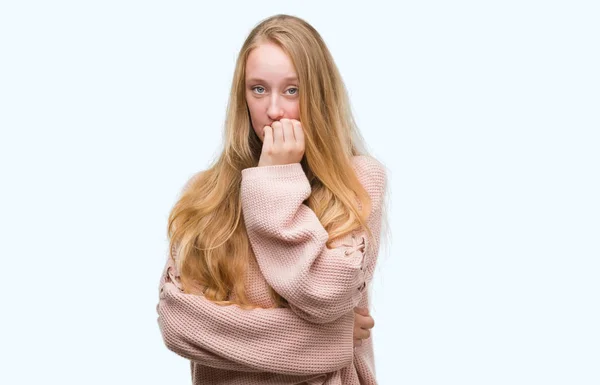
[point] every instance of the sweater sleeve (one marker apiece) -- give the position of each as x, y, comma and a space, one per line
259, 340
289, 242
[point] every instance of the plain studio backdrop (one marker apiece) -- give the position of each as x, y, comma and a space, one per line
485, 113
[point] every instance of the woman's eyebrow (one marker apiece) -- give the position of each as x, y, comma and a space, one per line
259, 80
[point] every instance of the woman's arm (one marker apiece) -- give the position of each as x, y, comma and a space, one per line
320, 284
258, 340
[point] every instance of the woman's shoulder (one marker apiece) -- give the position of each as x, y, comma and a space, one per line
371, 173
366, 165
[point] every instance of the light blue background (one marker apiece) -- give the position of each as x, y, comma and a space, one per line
485, 112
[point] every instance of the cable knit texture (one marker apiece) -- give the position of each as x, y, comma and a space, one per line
311, 342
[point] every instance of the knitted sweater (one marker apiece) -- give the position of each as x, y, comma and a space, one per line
311, 342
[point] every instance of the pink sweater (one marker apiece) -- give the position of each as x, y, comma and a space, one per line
312, 341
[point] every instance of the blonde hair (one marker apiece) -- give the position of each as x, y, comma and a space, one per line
206, 226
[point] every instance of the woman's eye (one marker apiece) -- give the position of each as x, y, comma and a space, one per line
260, 90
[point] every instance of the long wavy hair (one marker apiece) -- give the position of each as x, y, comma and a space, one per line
208, 238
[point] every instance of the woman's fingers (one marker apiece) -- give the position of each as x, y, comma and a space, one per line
298, 134
267, 138
280, 144
361, 310
288, 131
368, 322
362, 325
362, 332
277, 134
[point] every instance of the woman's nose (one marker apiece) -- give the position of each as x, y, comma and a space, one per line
275, 111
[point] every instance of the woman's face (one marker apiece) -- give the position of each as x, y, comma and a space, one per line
271, 87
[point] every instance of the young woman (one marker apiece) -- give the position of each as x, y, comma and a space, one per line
273, 246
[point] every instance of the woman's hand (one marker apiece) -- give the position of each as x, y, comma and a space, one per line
283, 143
362, 323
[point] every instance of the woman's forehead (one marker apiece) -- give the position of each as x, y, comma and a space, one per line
269, 62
